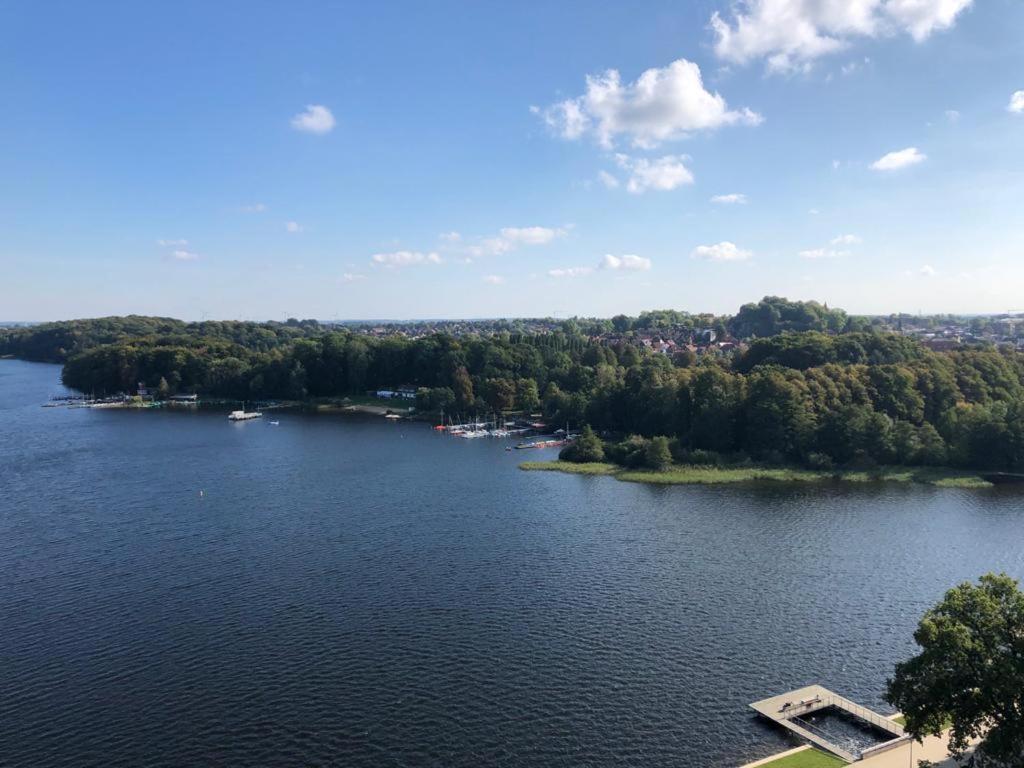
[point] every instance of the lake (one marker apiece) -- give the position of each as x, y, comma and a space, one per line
353, 592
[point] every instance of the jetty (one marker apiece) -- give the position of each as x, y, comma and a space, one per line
790, 710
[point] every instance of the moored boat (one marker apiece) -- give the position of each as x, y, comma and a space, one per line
244, 415
542, 444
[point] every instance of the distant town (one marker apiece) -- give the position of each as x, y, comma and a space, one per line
669, 332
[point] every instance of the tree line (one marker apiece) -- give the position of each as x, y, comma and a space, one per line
804, 396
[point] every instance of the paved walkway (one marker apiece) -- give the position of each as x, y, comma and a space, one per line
903, 756
790, 709
907, 755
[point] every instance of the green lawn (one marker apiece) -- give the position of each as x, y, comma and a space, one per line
809, 758
679, 474
397, 403
594, 468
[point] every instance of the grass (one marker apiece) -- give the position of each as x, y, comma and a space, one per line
594, 468
809, 758
680, 474
947, 724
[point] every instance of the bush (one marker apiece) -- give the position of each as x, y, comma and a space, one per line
657, 455
821, 461
773, 457
631, 452
862, 460
587, 448
704, 458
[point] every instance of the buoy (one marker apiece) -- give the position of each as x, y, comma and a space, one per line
200, 494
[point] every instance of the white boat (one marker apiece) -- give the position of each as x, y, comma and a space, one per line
244, 415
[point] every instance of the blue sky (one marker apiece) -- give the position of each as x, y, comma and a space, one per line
401, 160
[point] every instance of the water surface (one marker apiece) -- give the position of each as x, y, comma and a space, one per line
353, 592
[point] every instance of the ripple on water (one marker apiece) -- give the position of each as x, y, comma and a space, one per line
364, 594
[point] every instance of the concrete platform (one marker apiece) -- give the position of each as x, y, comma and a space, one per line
787, 709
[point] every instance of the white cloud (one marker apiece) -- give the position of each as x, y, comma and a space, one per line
405, 258
315, 119
1016, 104
511, 238
570, 272
608, 180
253, 208
927, 271
733, 198
663, 104
530, 235
183, 255
352, 277
181, 243
791, 34
851, 67
661, 174
628, 262
451, 237
902, 158
723, 251
831, 253
919, 18
293, 226
813, 211
822, 253
952, 115
493, 279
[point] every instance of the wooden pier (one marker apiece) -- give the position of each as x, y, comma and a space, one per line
788, 710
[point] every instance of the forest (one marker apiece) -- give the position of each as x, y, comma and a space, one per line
819, 389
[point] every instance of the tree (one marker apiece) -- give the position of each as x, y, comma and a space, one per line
435, 399
587, 447
657, 455
527, 398
716, 402
462, 386
969, 675
778, 419
500, 394
933, 448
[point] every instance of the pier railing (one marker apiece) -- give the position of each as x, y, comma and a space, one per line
848, 746
877, 720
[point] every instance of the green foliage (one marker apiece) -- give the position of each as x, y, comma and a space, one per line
822, 390
773, 315
587, 448
970, 673
657, 455
435, 399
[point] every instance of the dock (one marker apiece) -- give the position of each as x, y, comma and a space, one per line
789, 710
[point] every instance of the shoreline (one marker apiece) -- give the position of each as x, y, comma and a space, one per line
679, 474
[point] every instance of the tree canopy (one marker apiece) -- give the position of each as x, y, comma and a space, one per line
969, 675
808, 394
